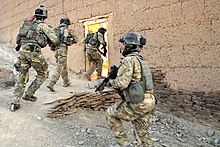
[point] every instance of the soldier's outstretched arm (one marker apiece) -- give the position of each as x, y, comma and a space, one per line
101, 38
49, 32
72, 33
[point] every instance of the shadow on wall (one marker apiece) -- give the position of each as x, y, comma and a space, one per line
194, 106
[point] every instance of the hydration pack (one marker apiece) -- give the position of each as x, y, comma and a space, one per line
88, 37
28, 34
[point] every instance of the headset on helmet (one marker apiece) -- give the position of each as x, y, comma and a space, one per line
65, 21
41, 11
133, 42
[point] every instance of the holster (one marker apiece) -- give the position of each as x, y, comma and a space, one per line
127, 101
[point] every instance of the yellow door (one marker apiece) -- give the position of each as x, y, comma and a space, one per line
94, 28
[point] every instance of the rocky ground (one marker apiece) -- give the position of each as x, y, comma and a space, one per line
29, 126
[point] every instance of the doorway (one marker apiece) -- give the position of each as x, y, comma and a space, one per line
93, 26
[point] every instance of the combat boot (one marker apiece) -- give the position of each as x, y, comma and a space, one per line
67, 84
87, 76
14, 107
51, 88
29, 98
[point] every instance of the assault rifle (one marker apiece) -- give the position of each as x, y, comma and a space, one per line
112, 75
104, 50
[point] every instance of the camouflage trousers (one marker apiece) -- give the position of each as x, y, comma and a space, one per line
139, 116
96, 59
61, 68
26, 60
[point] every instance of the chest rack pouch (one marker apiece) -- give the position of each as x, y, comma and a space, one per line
136, 90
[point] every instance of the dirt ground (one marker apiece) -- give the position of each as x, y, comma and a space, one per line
29, 126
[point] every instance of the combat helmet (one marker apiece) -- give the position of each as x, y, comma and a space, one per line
133, 42
41, 11
102, 30
133, 38
65, 21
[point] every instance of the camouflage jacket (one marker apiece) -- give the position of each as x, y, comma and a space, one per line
129, 70
48, 31
44, 29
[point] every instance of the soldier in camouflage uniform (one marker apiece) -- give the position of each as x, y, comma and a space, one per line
66, 38
93, 53
139, 113
33, 35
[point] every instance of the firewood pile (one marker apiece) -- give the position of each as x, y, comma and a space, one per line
84, 100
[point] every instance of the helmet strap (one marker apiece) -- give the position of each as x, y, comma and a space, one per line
129, 48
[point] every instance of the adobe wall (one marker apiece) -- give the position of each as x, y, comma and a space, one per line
183, 36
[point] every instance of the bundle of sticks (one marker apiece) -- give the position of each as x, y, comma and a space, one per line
85, 100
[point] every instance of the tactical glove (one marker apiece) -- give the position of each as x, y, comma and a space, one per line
52, 47
17, 48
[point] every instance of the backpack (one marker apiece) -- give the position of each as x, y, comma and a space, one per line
88, 37
58, 31
28, 34
91, 39
67, 39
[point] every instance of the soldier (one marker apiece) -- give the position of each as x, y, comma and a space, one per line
135, 86
93, 53
33, 35
66, 38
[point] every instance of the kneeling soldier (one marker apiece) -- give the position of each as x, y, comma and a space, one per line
134, 85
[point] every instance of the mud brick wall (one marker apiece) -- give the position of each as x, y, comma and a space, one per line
183, 36
183, 41
194, 106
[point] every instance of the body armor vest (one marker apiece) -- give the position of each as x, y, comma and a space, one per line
135, 91
28, 34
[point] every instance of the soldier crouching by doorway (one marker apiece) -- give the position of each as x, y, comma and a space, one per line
93, 53
66, 38
135, 86
33, 35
